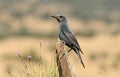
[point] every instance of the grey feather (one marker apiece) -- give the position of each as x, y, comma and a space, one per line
66, 34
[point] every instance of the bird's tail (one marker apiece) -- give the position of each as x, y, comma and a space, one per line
80, 59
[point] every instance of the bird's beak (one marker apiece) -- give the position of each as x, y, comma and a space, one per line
54, 17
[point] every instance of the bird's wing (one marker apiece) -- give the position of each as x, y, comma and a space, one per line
72, 39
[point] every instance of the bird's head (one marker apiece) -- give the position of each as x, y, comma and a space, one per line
60, 18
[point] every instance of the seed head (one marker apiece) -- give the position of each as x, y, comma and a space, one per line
19, 54
29, 57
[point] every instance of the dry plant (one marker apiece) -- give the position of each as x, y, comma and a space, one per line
31, 69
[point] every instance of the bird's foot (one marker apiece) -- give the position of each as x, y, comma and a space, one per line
65, 53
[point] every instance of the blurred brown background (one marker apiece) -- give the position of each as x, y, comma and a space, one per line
96, 24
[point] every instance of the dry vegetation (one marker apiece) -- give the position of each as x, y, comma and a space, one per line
101, 54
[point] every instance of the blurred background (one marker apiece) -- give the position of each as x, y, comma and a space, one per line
96, 24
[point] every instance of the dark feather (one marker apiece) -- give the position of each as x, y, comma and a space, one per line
75, 46
72, 39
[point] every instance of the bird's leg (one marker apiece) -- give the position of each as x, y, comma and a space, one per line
64, 53
69, 50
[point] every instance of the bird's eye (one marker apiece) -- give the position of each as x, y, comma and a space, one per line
61, 16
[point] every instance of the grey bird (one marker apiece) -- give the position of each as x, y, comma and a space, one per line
66, 35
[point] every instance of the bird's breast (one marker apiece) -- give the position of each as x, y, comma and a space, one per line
62, 36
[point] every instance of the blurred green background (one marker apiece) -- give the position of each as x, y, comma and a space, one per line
96, 24
13, 14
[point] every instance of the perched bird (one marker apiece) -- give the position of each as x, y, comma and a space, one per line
66, 35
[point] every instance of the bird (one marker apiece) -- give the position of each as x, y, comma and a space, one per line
66, 35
